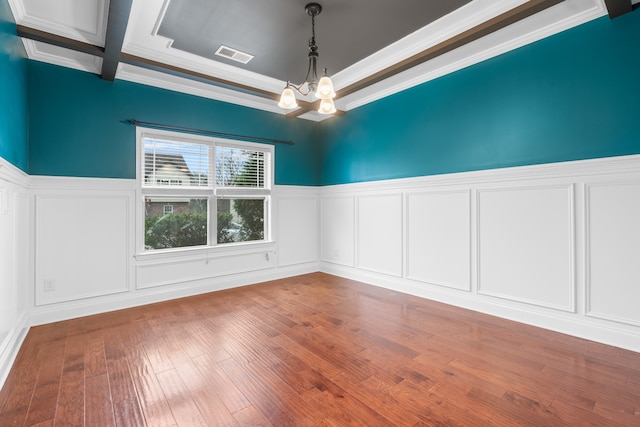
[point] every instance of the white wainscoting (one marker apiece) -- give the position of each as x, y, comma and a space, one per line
556, 245
85, 229
14, 263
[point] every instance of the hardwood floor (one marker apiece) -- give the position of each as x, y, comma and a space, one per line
314, 350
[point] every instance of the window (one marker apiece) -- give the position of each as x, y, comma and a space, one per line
191, 185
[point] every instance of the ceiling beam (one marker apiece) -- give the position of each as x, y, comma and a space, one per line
119, 11
501, 21
52, 39
618, 7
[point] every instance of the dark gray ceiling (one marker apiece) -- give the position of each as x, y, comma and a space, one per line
277, 32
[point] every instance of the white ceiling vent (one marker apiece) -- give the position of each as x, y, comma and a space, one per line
233, 54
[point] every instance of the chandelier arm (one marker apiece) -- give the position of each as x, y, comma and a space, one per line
299, 89
310, 67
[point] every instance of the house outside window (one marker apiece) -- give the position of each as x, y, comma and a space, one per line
200, 191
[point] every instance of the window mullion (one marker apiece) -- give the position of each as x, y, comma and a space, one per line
213, 205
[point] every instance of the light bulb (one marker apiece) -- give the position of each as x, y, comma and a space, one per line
287, 99
327, 106
325, 88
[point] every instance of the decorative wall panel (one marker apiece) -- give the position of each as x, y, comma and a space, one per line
297, 232
380, 233
438, 238
337, 228
82, 245
154, 274
526, 245
8, 282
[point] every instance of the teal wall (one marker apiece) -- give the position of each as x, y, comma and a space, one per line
76, 125
13, 92
572, 96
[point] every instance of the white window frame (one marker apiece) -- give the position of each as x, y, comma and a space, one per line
212, 194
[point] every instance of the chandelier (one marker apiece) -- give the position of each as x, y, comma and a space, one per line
323, 88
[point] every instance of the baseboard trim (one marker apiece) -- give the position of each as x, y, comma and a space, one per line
9, 351
87, 307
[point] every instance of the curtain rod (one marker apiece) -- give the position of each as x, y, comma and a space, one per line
207, 132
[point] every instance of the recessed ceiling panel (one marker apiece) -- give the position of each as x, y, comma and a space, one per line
277, 32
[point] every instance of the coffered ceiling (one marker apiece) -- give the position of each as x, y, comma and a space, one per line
371, 48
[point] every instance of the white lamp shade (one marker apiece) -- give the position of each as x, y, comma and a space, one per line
327, 106
325, 88
287, 99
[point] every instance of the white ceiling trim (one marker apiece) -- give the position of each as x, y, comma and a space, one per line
161, 80
179, 84
56, 55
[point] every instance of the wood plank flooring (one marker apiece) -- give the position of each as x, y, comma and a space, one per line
314, 350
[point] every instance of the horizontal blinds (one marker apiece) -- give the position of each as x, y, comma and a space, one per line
176, 164
240, 168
